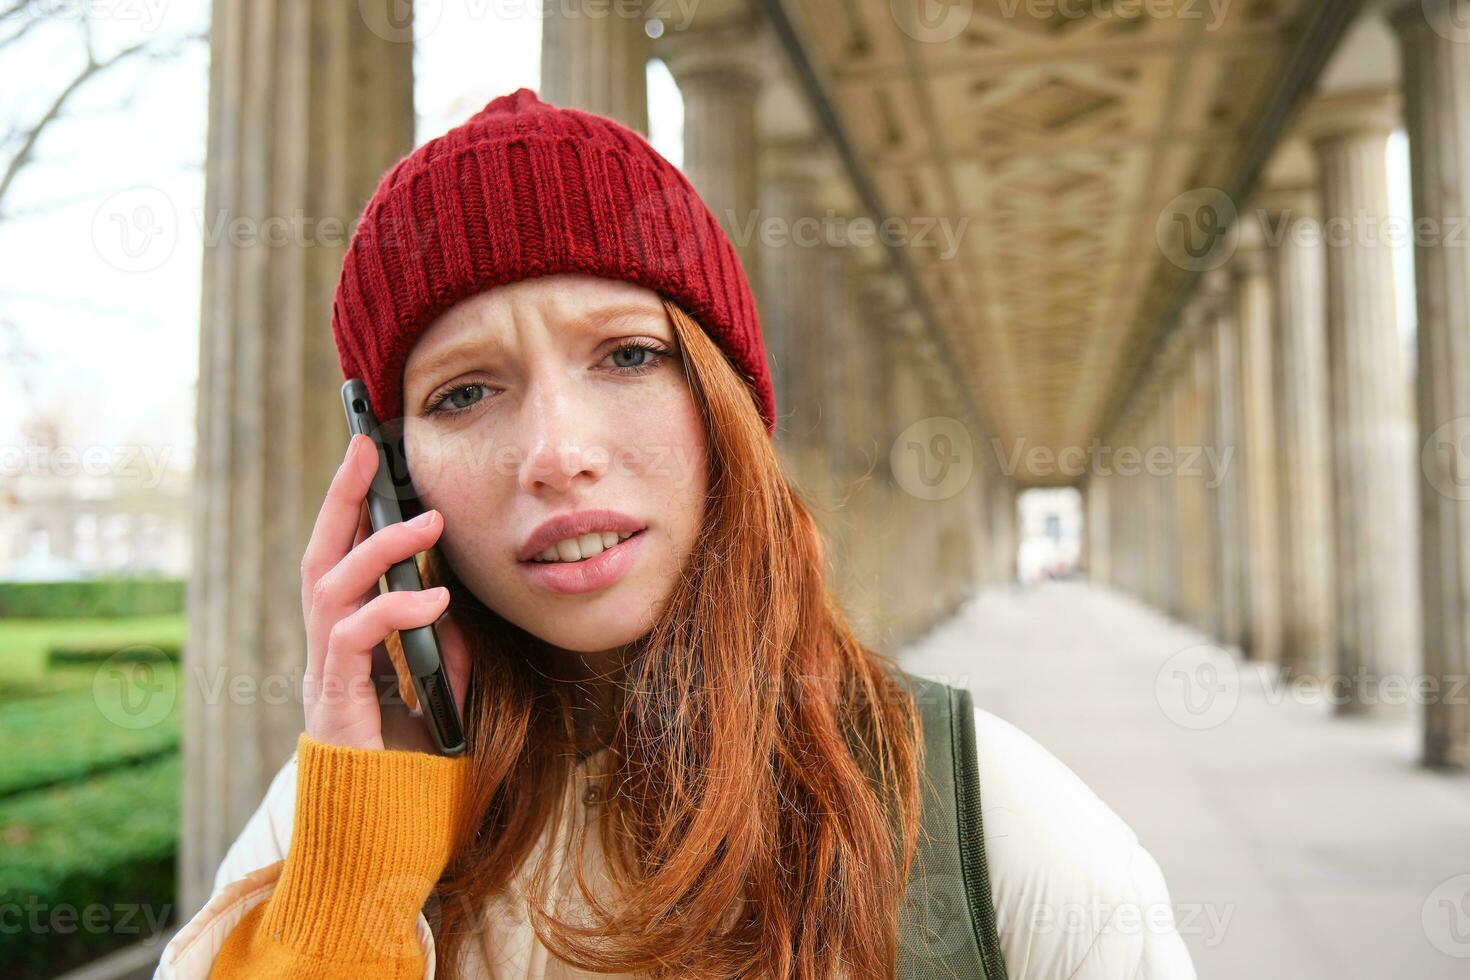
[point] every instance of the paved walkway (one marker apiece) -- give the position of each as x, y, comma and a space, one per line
1296, 845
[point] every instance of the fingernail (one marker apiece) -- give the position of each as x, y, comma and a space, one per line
423, 520
429, 596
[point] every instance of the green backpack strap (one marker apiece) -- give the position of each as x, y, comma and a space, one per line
947, 925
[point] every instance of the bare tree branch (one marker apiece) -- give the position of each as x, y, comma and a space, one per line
31, 135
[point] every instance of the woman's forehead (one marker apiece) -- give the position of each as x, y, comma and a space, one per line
574, 302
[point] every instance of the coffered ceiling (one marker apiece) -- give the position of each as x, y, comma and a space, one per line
1050, 135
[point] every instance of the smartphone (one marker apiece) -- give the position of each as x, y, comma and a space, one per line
390, 491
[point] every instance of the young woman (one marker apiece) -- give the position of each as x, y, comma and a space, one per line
682, 762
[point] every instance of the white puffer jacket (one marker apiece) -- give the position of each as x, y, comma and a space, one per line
1077, 897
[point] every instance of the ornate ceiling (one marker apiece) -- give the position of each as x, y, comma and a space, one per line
1050, 135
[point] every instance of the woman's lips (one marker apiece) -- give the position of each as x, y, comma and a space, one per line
588, 575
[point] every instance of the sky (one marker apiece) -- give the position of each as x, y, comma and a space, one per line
102, 334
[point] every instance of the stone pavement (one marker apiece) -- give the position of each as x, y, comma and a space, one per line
1296, 845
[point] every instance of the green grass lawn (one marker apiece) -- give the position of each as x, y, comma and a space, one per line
25, 644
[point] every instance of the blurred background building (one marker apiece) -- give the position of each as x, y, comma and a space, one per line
1172, 293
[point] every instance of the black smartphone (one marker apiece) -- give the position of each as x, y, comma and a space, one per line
390, 491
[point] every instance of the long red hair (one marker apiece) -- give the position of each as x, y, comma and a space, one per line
764, 763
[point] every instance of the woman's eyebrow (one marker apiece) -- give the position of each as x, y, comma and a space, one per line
606, 314
454, 352
586, 322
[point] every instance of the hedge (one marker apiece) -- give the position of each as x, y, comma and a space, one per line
27, 645
134, 596
115, 720
88, 867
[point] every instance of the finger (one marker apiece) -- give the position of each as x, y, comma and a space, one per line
349, 650
340, 514
340, 591
364, 531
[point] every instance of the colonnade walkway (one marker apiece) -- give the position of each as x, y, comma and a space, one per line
1296, 844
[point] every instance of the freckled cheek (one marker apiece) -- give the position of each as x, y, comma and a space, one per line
667, 458
445, 466
459, 480
657, 437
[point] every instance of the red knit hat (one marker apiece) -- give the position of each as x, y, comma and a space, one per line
525, 189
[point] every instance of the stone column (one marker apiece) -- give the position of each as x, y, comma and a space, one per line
1004, 528
1436, 59
842, 372
1377, 559
793, 314
1228, 495
929, 514
1140, 506
870, 502
1097, 518
1127, 499
719, 71
906, 529
1304, 461
597, 61
1197, 554
1256, 457
1166, 515
309, 104
1187, 506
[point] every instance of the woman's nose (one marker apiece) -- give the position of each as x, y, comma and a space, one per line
560, 429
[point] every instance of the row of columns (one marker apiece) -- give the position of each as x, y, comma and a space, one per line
850, 363
1332, 538
1301, 463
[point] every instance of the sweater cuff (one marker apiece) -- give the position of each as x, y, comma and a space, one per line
372, 832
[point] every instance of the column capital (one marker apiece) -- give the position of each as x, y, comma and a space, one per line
909, 323
730, 54
1250, 250
796, 157
1195, 311
1291, 200
1214, 288
883, 284
1344, 115
1174, 347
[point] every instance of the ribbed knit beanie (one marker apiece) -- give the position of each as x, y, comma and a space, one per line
523, 189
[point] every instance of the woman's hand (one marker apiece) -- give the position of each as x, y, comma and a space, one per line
347, 667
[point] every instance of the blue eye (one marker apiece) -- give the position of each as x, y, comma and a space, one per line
655, 355
451, 397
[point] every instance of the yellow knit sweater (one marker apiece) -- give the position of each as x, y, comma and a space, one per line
371, 835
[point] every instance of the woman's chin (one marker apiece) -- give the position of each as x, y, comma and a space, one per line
589, 634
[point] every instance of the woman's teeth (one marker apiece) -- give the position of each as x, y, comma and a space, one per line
586, 546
